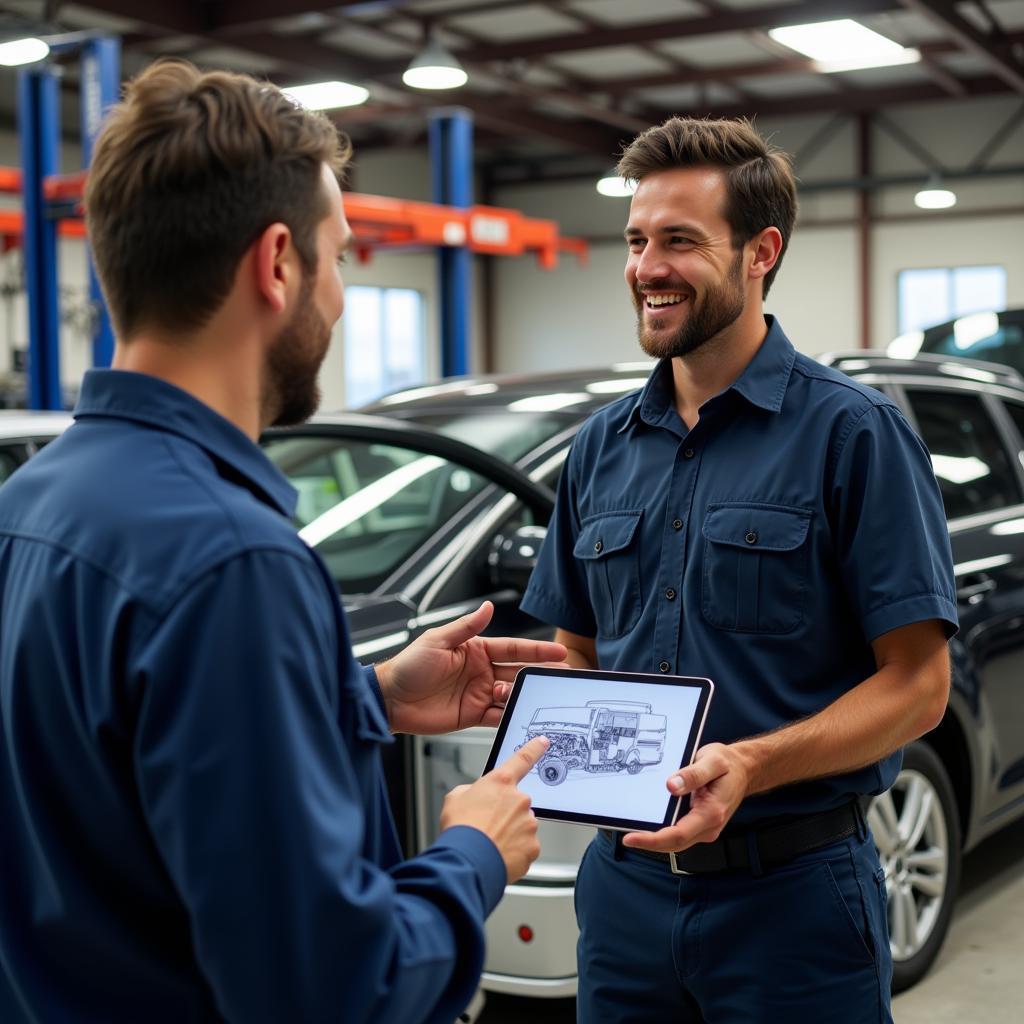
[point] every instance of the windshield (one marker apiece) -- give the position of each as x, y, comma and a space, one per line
367, 507
507, 434
561, 716
993, 337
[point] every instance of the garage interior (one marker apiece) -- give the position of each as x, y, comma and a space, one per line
484, 246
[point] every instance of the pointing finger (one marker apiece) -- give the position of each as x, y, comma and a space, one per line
520, 763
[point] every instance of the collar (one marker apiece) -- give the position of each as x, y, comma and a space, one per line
762, 383
122, 394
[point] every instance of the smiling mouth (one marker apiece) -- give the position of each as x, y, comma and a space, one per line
656, 302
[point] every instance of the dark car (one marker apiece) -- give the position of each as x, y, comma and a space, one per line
435, 498
990, 336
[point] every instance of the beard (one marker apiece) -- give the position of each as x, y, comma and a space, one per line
721, 306
291, 393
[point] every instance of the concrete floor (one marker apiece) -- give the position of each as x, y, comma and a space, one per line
977, 979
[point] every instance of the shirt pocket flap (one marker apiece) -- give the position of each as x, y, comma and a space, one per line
756, 527
606, 533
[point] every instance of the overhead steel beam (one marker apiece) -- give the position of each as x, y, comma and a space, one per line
995, 51
658, 31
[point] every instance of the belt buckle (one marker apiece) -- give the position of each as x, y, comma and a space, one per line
673, 863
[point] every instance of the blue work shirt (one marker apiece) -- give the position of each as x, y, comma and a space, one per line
764, 549
194, 821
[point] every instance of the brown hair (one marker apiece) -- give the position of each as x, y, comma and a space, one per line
188, 171
759, 179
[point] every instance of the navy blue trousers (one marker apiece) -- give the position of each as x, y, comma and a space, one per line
806, 943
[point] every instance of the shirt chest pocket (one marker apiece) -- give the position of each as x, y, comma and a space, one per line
755, 567
608, 546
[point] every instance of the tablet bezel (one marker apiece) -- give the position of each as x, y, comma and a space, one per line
704, 686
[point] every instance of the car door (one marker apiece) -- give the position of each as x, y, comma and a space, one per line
969, 434
390, 506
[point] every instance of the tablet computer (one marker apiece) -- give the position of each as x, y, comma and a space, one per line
615, 738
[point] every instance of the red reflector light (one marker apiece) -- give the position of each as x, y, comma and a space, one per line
525, 933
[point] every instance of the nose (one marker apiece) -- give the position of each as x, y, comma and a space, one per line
651, 266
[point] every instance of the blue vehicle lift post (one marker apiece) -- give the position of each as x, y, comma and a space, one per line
451, 160
39, 134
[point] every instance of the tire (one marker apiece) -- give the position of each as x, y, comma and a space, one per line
552, 771
916, 829
634, 767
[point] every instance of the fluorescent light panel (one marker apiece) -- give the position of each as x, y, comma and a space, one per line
327, 95
843, 45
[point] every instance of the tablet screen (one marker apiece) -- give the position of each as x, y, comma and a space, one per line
615, 739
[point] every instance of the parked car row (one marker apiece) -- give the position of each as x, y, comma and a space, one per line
435, 498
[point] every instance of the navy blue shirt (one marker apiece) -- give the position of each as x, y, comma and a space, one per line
194, 822
764, 549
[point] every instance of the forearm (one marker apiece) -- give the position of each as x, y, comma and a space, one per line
581, 651
900, 702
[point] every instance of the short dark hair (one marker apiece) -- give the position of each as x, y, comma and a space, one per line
189, 169
759, 178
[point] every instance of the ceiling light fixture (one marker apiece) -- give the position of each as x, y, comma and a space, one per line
843, 45
935, 196
434, 67
23, 51
615, 186
327, 95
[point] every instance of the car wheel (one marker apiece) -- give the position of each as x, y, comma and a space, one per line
634, 767
916, 829
552, 771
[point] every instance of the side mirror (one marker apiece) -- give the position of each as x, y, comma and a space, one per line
513, 557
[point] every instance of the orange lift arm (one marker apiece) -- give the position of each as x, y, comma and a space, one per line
381, 223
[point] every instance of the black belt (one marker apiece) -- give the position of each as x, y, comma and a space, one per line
759, 848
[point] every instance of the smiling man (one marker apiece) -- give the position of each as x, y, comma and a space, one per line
760, 519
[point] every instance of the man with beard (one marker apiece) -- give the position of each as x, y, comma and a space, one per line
756, 518
195, 825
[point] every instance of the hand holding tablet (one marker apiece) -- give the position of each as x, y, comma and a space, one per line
615, 737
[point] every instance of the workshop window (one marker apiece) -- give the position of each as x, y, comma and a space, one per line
385, 341
933, 295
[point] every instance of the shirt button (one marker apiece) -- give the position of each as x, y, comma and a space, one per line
751, 538
677, 524
598, 547
688, 453
664, 666
670, 594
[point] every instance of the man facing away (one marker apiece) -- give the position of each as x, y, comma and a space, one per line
760, 519
194, 819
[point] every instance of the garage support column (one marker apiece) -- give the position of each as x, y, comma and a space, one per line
451, 161
864, 197
38, 131
101, 79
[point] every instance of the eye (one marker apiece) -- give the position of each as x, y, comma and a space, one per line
342, 259
635, 243
680, 240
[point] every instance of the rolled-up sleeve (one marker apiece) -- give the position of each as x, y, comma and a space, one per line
892, 543
263, 811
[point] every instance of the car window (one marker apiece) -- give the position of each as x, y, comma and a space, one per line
969, 459
1016, 411
366, 507
10, 460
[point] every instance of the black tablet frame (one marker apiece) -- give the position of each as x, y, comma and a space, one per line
705, 688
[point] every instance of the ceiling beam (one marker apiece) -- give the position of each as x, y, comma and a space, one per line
993, 49
657, 31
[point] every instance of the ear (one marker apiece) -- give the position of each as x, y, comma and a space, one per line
274, 265
766, 250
